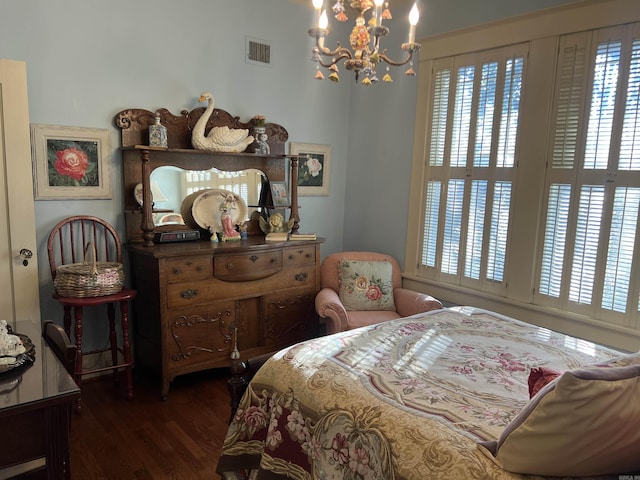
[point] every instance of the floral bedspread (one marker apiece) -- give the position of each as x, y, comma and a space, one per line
405, 399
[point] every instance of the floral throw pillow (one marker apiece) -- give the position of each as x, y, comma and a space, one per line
366, 285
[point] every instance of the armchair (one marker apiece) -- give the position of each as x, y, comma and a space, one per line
338, 317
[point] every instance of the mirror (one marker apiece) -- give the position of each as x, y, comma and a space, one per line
171, 185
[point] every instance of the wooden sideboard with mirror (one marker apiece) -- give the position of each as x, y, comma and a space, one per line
198, 301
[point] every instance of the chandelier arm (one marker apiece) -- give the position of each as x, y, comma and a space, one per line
384, 57
335, 59
340, 51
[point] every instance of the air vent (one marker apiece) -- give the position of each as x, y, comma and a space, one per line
258, 52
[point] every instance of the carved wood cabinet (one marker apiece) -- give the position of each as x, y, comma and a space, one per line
195, 299
198, 300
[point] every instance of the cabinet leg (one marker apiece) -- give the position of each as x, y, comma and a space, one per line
165, 390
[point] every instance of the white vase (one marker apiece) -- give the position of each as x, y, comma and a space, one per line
157, 134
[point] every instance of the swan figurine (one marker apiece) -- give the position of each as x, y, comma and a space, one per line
219, 139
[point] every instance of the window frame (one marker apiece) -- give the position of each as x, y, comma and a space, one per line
468, 173
541, 30
608, 177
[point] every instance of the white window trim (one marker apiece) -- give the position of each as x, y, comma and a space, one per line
541, 30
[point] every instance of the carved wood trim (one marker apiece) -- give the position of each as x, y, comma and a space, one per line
185, 352
134, 125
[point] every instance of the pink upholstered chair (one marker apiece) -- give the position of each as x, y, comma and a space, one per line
339, 318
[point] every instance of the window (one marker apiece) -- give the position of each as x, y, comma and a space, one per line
593, 182
472, 160
578, 249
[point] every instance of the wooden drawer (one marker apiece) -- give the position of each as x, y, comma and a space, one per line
200, 292
197, 293
200, 334
249, 266
300, 256
186, 269
304, 276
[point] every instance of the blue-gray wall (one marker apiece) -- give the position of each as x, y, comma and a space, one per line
89, 59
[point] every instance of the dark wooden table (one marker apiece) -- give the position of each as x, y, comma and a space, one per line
34, 413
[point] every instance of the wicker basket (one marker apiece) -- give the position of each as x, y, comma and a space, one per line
95, 279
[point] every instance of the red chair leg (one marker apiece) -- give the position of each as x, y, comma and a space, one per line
67, 319
78, 336
113, 339
126, 347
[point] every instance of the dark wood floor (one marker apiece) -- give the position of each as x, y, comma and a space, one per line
147, 438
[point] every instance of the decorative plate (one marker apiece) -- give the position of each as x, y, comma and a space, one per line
25, 358
9, 382
185, 208
206, 209
137, 193
172, 218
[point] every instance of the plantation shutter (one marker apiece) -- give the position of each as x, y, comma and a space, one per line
592, 188
472, 157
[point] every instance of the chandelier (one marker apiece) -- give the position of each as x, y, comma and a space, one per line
365, 53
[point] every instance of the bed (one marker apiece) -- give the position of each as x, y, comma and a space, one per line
444, 394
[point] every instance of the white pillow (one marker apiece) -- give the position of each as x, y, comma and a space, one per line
585, 422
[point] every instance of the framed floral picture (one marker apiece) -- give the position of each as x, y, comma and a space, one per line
314, 164
71, 162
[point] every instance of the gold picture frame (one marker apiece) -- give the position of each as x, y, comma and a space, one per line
71, 162
314, 167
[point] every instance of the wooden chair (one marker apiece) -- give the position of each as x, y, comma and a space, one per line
66, 244
61, 345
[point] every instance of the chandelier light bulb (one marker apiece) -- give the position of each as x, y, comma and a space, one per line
414, 15
378, 4
317, 5
324, 20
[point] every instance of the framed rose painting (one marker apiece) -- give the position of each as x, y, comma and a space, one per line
71, 162
313, 168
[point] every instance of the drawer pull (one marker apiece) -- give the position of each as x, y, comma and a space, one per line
301, 277
292, 257
177, 271
253, 258
229, 266
188, 294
